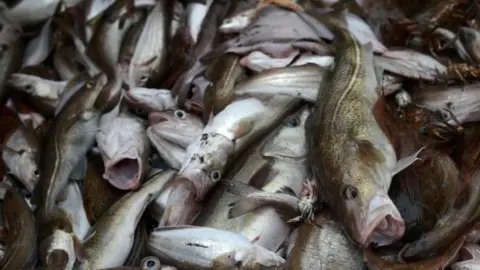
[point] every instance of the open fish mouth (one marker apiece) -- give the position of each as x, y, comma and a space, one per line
384, 225
124, 173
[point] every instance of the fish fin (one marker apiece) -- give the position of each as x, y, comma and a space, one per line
91, 232
78, 247
406, 161
261, 176
80, 170
239, 188
368, 152
243, 206
284, 204
242, 128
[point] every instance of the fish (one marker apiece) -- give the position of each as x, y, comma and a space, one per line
228, 134
178, 127
440, 262
351, 158
58, 250
208, 248
124, 146
39, 48
66, 66
21, 233
299, 81
462, 101
28, 12
196, 13
108, 246
470, 38
37, 86
323, 245
150, 54
73, 205
10, 52
72, 134
224, 74
287, 169
146, 100
20, 154
204, 44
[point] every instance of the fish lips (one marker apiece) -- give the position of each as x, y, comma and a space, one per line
124, 173
382, 224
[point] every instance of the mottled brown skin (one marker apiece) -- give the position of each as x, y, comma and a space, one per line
341, 133
224, 74
438, 263
98, 194
21, 233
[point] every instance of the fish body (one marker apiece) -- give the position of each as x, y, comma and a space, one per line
37, 86
351, 157
114, 231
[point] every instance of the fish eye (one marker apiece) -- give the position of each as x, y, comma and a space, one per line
89, 84
350, 192
35, 173
144, 78
292, 121
150, 263
28, 88
215, 175
180, 114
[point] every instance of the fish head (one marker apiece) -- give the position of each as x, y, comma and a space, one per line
182, 206
206, 161
365, 209
145, 100
290, 142
29, 172
26, 83
177, 126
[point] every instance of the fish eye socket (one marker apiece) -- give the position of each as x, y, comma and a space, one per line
180, 114
215, 175
350, 192
292, 122
89, 84
36, 173
28, 87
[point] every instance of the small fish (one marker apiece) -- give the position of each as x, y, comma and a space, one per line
111, 242
150, 54
145, 100
37, 86
124, 146
300, 82
21, 233
209, 248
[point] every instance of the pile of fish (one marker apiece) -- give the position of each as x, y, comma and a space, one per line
242, 134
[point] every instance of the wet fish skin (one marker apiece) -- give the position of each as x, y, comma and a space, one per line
113, 238
124, 146
21, 157
178, 126
21, 237
323, 245
37, 86
150, 54
208, 248
221, 92
32, 11
73, 205
470, 38
72, 134
39, 48
58, 250
146, 100
352, 160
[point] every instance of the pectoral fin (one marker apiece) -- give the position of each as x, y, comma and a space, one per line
406, 161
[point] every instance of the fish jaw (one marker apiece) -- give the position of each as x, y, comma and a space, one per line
380, 222
125, 172
182, 208
176, 127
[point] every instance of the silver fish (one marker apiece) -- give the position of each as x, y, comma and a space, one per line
37, 86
